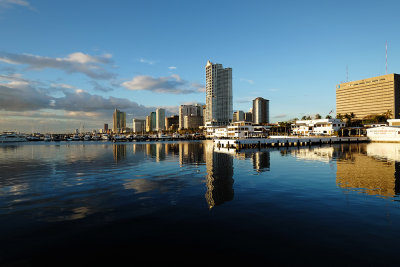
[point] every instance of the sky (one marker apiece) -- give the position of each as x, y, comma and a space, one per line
69, 64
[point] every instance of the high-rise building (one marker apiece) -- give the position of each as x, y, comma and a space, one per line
138, 126
248, 116
105, 128
192, 122
372, 96
260, 110
160, 119
218, 94
119, 121
238, 116
188, 110
172, 123
148, 124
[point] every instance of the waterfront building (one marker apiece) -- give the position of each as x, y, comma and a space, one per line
240, 129
218, 94
172, 123
238, 115
248, 116
160, 119
260, 110
138, 126
119, 121
192, 121
370, 96
188, 110
317, 127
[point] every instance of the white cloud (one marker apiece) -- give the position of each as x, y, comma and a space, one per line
247, 80
92, 66
173, 84
11, 3
172, 68
146, 61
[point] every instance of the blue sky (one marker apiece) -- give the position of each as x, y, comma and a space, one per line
68, 63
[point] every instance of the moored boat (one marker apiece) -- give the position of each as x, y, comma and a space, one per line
8, 137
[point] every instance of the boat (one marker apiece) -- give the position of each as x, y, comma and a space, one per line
33, 138
96, 137
56, 138
8, 137
87, 138
47, 138
119, 138
105, 137
76, 138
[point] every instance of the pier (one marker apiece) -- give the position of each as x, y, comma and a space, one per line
284, 141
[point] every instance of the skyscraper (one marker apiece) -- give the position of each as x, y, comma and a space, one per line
189, 110
218, 94
260, 110
160, 119
119, 121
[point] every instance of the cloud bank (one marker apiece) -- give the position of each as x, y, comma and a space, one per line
91, 66
171, 85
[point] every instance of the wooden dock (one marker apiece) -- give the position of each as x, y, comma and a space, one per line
286, 141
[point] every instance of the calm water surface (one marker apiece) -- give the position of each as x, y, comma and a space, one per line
184, 203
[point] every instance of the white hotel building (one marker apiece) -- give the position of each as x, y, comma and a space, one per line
317, 127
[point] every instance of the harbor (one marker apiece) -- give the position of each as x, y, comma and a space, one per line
278, 141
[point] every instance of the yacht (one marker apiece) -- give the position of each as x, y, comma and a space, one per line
96, 138
119, 138
7, 137
33, 138
87, 138
47, 138
76, 138
105, 137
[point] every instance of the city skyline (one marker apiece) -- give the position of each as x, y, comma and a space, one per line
59, 71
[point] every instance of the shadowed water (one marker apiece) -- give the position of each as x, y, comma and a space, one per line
184, 203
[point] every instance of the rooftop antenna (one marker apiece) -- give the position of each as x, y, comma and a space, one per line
386, 57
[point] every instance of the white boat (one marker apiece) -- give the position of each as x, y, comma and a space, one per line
8, 137
119, 138
96, 138
33, 138
87, 137
105, 137
47, 138
76, 138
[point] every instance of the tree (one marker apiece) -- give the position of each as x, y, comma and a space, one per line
339, 116
317, 116
388, 114
308, 118
328, 117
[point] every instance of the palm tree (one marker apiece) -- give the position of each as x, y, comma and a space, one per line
317, 116
388, 114
328, 117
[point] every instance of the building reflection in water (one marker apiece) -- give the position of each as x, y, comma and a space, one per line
365, 168
119, 152
261, 161
219, 178
191, 153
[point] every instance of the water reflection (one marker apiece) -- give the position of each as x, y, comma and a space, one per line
367, 169
119, 152
219, 179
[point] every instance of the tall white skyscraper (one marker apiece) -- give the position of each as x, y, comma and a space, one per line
218, 94
160, 119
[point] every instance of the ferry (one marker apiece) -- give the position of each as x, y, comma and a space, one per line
8, 137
